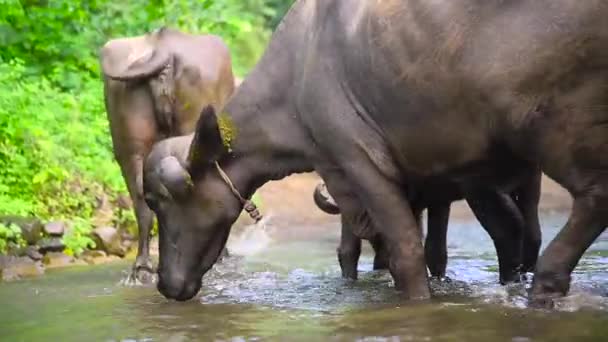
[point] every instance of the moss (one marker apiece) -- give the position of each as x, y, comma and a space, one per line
228, 130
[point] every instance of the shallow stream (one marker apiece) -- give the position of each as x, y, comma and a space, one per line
292, 290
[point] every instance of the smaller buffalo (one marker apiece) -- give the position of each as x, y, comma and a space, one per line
155, 86
515, 228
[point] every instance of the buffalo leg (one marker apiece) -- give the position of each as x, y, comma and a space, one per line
435, 247
142, 268
394, 221
527, 198
501, 218
587, 221
381, 256
349, 251
353, 218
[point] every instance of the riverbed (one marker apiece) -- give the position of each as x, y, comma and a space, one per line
290, 289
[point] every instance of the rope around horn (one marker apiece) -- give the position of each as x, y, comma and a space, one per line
248, 205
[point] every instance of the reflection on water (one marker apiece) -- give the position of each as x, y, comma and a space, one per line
292, 290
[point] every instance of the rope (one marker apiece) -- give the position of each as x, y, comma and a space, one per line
249, 206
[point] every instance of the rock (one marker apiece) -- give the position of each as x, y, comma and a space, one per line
53, 244
15, 268
31, 227
95, 253
127, 244
97, 257
108, 239
57, 259
55, 228
33, 253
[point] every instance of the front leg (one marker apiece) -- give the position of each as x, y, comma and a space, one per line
587, 221
392, 217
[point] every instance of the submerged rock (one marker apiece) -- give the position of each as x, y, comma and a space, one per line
109, 240
31, 227
53, 244
57, 259
55, 228
15, 268
96, 257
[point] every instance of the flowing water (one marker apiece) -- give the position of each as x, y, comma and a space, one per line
291, 290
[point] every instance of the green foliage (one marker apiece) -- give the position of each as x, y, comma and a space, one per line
10, 234
54, 146
77, 239
56, 159
61, 38
55, 150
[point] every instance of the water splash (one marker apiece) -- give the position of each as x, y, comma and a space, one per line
253, 239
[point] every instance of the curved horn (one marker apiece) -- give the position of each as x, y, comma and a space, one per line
174, 176
324, 201
142, 60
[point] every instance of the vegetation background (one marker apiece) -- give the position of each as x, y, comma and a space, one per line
56, 161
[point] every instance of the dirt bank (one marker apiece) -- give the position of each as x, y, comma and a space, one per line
290, 200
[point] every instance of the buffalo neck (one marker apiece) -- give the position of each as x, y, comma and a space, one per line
269, 140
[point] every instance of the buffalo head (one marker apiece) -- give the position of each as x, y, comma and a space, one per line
194, 206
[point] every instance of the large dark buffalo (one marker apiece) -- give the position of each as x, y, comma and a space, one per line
511, 220
155, 86
380, 95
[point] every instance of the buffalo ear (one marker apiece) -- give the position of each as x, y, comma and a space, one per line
207, 145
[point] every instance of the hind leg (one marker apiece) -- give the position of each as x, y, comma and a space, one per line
587, 221
527, 197
348, 251
142, 268
501, 218
435, 246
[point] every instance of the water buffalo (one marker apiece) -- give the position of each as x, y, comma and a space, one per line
155, 86
514, 227
377, 95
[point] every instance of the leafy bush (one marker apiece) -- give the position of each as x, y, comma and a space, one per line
10, 234
78, 238
61, 38
55, 150
56, 160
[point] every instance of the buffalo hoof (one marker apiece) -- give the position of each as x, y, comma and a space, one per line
517, 275
348, 265
142, 273
547, 288
543, 301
